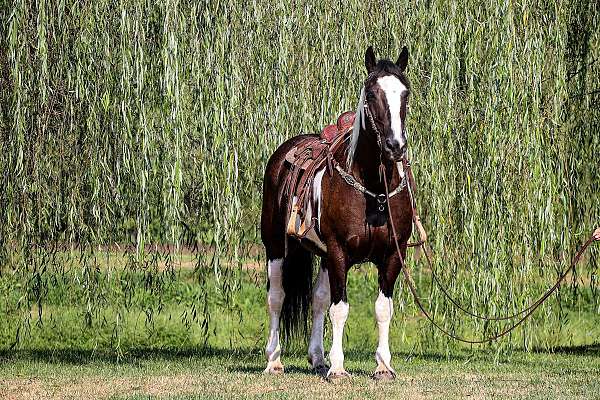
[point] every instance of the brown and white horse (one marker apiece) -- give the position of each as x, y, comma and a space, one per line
353, 224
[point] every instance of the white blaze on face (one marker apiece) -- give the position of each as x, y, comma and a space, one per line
393, 89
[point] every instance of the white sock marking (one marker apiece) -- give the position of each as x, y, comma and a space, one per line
393, 89
321, 301
275, 301
338, 314
384, 308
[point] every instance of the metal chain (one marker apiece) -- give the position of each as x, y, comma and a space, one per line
350, 180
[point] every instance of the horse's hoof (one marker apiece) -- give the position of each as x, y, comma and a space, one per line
274, 368
383, 375
337, 376
321, 370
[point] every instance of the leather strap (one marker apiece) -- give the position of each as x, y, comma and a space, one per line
528, 311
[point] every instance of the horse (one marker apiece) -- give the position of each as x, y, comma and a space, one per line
352, 221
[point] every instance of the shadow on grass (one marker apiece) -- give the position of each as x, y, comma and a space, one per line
586, 349
129, 356
134, 355
259, 368
251, 360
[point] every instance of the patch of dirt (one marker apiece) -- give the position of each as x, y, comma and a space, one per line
178, 265
96, 388
254, 265
21, 389
419, 386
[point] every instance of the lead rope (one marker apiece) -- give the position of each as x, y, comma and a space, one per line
428, 253
458, 305
421, 244
528, 311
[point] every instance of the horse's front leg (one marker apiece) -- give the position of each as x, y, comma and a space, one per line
384, 308
338, 311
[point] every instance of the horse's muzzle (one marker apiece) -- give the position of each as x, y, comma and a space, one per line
401, 153
393, 150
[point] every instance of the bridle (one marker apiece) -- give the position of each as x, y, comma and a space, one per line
379, 135
369, 114
381, 198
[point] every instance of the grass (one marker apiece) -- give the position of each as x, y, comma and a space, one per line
125, 125
183, 307
569, 372
63, 357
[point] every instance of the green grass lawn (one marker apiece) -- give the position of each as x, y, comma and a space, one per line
221, 373
63, 356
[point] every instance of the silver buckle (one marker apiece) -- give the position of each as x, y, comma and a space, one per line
381, 199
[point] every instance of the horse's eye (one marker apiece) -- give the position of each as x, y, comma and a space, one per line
370, 95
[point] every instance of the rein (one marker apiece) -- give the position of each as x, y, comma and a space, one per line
527, 311
405, 171
381, 198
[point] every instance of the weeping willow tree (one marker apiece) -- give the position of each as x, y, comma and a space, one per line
138, 131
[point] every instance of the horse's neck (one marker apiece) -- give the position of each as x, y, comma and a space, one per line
366, 162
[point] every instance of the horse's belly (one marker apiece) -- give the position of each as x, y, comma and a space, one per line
368, 245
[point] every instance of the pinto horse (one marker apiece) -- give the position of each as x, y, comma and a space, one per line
352, 221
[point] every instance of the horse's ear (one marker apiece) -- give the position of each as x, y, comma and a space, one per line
403, 59
370, 60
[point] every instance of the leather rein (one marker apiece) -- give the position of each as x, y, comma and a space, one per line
405, 171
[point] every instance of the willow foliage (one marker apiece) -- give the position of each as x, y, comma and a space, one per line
142, 128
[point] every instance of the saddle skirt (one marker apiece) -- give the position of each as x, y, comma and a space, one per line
305, 160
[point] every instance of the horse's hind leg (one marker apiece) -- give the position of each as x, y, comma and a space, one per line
320, 302
275, 297
272, 231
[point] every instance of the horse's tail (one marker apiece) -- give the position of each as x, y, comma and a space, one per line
297, 285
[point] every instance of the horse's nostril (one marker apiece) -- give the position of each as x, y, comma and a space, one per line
392, 144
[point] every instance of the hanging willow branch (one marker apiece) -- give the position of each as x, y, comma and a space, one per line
134, 136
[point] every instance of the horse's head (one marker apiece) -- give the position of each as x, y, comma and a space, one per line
384, 103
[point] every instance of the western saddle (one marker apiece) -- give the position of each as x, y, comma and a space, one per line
305, 160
